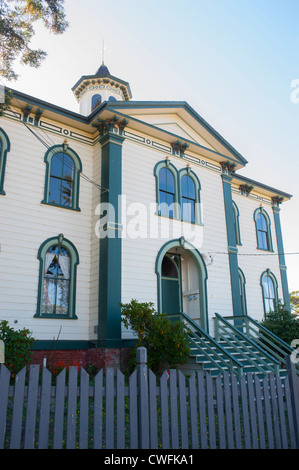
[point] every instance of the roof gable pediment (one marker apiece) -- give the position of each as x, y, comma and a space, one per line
181, 121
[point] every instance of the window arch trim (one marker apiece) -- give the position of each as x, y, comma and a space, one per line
76, 180
269, 274
187, 171
261, 210
5, 148
242, 281
74, 261
166, 164
237, 224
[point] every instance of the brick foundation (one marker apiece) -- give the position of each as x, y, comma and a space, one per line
99, 357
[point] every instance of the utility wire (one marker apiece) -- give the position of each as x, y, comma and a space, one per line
45, 144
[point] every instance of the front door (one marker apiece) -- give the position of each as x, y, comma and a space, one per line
171, 284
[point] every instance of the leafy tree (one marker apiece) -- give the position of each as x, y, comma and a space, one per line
294, 301
16, 31
166, 341
18, 345
282, 323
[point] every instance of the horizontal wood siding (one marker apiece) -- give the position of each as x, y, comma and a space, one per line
26, 224
252, 261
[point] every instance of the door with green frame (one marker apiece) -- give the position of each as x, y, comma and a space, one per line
171, 284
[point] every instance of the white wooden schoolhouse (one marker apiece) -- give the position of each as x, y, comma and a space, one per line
128, 200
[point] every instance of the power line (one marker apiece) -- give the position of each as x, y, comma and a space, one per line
253, 254
45, 144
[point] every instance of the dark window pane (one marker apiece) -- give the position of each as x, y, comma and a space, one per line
96, 101
188, 187
66, 193
169, 268
261, 222
188, 210
162, 179
56, 165
166, 180
55, 190
68, 167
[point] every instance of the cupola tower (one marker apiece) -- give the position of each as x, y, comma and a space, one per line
92, 90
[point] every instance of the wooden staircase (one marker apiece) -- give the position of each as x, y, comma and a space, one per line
241, 345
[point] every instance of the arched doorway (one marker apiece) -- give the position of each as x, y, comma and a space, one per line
182, 277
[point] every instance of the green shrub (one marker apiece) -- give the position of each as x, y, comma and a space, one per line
282, 323
166, 341
18, 345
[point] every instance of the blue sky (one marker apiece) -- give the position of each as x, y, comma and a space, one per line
233, 61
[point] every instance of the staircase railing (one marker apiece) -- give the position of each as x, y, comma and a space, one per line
267, 340
250, 345
207, 346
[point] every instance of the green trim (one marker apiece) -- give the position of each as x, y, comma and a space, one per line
59, 240
5, 148
242, 281
167, 164
252, 182
232, 246
52, 345
189, 172
275, 285
281, 257
202, 276
76, 180
237, 223
168, 133
182, 105
109, 311
261, 210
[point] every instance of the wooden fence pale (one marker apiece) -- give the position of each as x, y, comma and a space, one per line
147, 412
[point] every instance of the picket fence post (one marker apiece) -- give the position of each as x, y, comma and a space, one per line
143, 398
294, 388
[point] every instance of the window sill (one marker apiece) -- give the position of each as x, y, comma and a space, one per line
60, 317
263, 249
199, 224
61, 207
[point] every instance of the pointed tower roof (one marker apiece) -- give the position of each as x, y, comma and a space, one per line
102, 70
102, 76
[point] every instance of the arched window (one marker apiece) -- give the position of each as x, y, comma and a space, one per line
167, 189
188, 199
236, 223
95, 101
269, 289
190, 196
112, 98
57, 279
4, 148
242, 283
62, 177
263, 232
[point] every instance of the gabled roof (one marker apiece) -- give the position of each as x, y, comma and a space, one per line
133, 110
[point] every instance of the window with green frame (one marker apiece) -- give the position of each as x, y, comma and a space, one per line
269, 289
4, 148
63, 168
177, 193
167, 193
57, 279
263, 229
189, 187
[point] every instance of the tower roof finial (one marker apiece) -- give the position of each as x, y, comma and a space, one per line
103, 51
